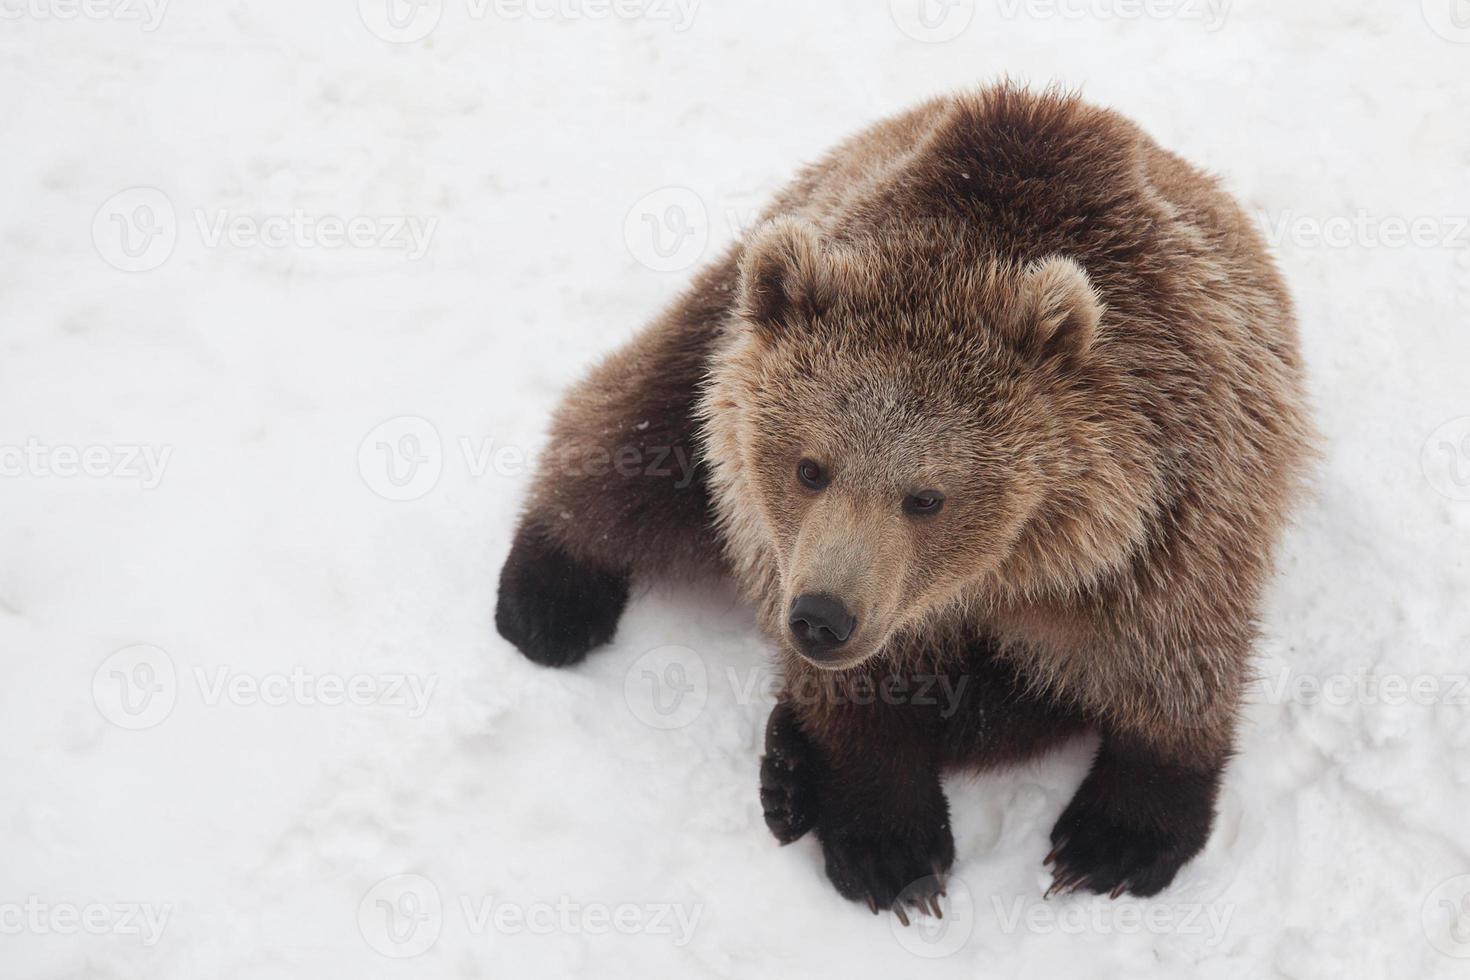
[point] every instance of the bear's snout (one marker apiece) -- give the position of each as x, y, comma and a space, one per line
820, 623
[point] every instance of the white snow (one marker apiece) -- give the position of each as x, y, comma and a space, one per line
329, 708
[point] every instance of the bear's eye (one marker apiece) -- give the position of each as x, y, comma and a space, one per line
923, 503
811, 475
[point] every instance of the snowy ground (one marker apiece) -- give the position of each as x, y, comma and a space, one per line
250, 677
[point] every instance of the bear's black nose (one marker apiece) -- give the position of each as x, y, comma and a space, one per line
820, 622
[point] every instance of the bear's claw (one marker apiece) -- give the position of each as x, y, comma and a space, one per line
891, 871
1096, 851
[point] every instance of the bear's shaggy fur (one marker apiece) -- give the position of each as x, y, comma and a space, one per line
1016, 304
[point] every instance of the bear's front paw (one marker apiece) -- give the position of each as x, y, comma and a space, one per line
1100, 851
789, 774
552, 607
889, 870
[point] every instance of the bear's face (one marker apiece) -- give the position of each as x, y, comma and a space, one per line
895, 439
879, 489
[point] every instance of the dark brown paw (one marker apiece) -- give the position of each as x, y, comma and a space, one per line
891, 870
553, 608
1096, 851
789, 776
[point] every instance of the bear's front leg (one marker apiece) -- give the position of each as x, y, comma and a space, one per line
620, 494
553, 607
791, 777
1135, 821
870, 775
888, 847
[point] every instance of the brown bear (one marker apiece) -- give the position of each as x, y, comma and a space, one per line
999, 392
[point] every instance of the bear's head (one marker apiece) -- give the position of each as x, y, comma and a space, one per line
914, 429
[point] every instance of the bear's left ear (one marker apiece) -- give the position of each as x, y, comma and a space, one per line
1058, 310
786, 275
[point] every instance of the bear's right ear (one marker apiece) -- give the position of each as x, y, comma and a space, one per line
785, 275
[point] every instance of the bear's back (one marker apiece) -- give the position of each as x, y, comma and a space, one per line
1006, 176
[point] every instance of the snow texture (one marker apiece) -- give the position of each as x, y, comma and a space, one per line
288, 291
